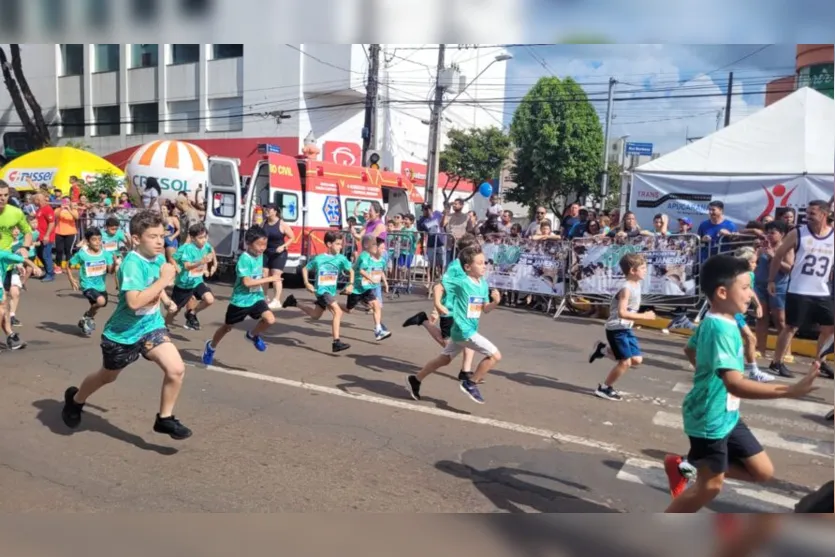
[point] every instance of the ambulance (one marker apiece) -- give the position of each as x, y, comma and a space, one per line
315, 197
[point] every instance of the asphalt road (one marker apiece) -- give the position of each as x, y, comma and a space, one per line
298, 429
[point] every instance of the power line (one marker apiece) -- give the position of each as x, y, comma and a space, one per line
747, 56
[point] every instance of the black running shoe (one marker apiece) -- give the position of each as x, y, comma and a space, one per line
290, 302
15, 322
192, 323
413, 385
417, 319
172, 427
13, 342
609, 393
779, 368
598, 351
71, 414
339, 346
826, 371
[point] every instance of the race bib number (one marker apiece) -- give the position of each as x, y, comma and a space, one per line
196, 272
148, 310
732, 403
111, 246
376, 278
95, 268
327, 278
256, 289
474, 307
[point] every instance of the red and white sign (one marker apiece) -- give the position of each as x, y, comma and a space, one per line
415, 172
341, 152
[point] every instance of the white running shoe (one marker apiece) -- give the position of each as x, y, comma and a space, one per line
760, 376
274, 304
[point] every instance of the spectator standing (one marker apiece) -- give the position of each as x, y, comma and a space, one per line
431, 224
151, 195
506, 222
714, 228
46, 233
628, 228
578, 229
457, 223
75, 189
66, 231
533, 227
572, 217
495, 208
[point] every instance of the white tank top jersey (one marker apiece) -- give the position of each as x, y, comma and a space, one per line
633, 304
814, 257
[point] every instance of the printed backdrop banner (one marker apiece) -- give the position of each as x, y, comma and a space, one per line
746, 198
528, 266
671, 265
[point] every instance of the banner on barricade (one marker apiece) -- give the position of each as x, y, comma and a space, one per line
527, 266
671, 264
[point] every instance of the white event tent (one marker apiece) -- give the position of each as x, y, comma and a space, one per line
780, 156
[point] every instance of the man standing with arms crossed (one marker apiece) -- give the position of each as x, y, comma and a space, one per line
10, 218
809, 299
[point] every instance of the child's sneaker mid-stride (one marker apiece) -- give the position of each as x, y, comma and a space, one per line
677, 480
609, 393
257, 342
172, 427
598, 351
208, 353
469, 388
339, 346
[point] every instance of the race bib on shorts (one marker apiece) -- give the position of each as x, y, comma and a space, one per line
732, 403
327, 278
111, 246
95, 268
474, 307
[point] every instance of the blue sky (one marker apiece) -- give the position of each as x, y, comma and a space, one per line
658, 71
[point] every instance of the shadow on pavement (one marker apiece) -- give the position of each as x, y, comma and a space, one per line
64, 328
49, 414
197, 360
391, 390
383, 363
536, 380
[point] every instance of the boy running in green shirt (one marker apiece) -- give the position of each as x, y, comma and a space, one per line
7, 259
721, 445
93, 263
17, 276
137, 328
327, 267
369, 272
113, 240
195, 261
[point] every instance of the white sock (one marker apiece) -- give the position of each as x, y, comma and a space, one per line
378, 328
752, 368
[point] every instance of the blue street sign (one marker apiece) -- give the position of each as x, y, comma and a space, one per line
331, 209
264, 148
644, 149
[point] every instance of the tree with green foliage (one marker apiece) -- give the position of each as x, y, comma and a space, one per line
473, 155
105, 183
559, 143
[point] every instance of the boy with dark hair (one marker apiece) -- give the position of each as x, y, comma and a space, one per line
8, 258
113, 239
623, 345
137, 328
248, 298
93, 264
327, 267
721, 445
370, 271
195, 261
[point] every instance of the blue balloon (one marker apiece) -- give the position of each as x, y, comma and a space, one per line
486, 189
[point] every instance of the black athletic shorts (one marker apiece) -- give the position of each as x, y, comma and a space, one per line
116, 356
446, 326
236, 314
275, 261
325, 300
93, 296
802, 311
355, 299
717, 454
7, 281
181, 296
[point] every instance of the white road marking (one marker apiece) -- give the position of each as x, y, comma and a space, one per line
759, 499
767, 438
417, 407
793, 405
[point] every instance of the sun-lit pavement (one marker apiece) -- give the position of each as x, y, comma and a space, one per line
300, 429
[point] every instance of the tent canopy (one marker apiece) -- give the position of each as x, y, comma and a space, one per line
791, 137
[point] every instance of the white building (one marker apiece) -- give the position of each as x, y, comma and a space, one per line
228, 98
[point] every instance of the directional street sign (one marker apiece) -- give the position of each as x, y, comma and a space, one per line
644, 149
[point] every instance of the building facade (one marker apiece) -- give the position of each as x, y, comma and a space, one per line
813, 68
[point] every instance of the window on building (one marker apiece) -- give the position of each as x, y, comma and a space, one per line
108, 120
72, 122
185, 53
220, 51
183, 117
72, 59
144, 118
106, 58
144, 55
225, 115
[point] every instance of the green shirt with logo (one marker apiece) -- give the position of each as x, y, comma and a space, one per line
190, 253
7, 259
127, 326
467, 297
251, 267
373, 267
112, 242
92, 268
709, 410
327, 269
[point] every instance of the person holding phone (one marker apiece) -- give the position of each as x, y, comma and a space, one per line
66, 232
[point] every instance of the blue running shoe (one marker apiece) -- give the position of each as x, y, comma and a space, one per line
258, 342
208, 353
471, 390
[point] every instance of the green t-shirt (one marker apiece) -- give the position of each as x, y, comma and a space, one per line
454, 273
327, 268
112, 243
11, 218
7, 259
252, 267
467, 300
190, 253
709, 410
127, 326
92, 268
372, 266
19, 244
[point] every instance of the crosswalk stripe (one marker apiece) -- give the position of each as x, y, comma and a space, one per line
767, 438
757, 498
791, 404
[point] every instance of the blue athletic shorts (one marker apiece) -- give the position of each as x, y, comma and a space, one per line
623, 343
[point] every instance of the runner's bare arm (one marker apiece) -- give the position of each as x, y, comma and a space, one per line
785, 248
437, 296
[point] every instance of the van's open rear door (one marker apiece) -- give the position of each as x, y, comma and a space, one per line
223, 206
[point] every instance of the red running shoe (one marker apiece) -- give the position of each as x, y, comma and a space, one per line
678, 483
728, 526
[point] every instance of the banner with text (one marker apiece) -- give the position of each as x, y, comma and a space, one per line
527, 266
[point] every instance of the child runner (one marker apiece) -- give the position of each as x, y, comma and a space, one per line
721, 445
15, 281
440, 334
622, 343
369, 271
749, 339
327, 267
113, 240
195, 261
137, 328
248, 298
93, 263
8, 258
468, 297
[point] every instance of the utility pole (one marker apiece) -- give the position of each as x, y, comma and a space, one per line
728, 99
435, 131
369, 130
604, 184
